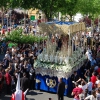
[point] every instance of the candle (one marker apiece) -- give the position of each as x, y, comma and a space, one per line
56, 59
61, 60
72, 45
51, 58
46, 57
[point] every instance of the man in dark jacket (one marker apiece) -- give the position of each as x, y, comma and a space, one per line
32, 78
24, 82
61, 89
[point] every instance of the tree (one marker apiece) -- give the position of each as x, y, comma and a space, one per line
69, 7
49, 7
25, 4
89, 8
3, 6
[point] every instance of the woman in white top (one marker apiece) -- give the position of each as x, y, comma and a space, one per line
91, 97
83, 86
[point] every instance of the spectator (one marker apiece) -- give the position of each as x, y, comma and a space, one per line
89, 87
76, 91
91, 97
13, 84
61, 89
93, 79
1, 77
24, 83
83, 85
32, 78
98, 94
75, 78
8, 81
97, 83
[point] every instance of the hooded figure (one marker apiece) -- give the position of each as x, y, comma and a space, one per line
19, 94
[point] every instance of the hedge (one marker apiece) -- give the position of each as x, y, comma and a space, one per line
16, 36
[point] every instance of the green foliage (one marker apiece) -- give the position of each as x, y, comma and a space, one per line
90, 8
3, 3
49, 7
69, 7
17, 37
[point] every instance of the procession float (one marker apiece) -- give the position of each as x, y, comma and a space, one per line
62, 52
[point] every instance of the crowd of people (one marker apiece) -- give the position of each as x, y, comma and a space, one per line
20, 59
26, 29
86, 83
17, 60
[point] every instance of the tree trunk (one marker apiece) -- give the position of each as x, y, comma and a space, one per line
2, 9
71, 18
47, 16
49, 13
25, 18
50, 17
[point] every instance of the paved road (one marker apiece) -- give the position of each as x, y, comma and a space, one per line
36, 95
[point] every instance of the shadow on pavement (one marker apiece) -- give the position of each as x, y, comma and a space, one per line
29, 99
4, 97
33, 93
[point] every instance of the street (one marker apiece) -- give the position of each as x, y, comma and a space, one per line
36, 95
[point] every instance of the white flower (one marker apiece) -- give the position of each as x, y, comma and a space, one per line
61, 60
51, 58
66, 60
56, 59
40, 56
46, 57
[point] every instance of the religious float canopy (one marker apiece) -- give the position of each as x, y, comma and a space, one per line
60, 60
62, 27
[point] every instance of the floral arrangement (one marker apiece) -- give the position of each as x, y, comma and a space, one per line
65, 64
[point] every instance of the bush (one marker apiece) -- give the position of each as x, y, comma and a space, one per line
17, 37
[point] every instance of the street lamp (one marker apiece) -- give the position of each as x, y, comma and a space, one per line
7, 21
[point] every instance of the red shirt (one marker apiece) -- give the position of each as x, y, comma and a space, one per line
93, 80
76, 91
3, 31
8, 78
98, 70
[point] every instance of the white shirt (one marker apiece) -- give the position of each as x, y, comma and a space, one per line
97, 96
82, 96
90, 97
89, 55
19, 55
21, 58
90, 34
83, 87
7, 56
89, 86
97, 82
13, 49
